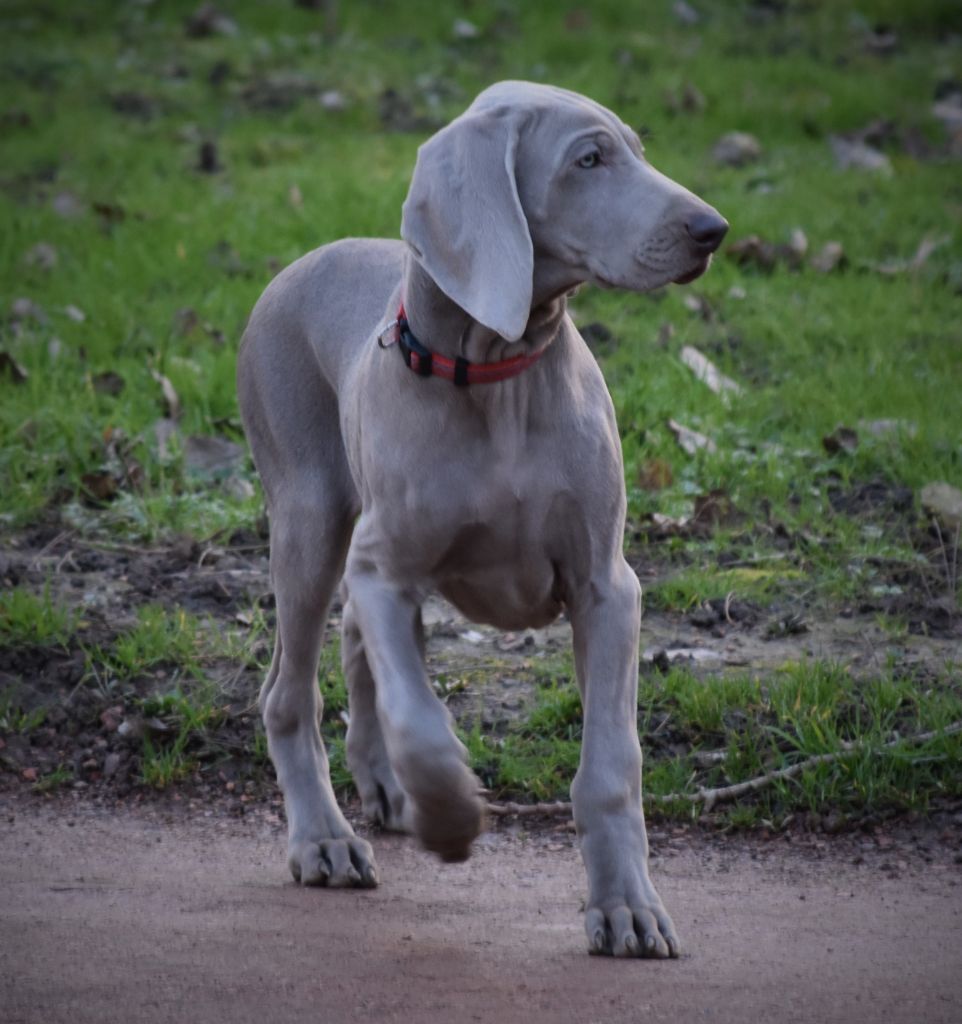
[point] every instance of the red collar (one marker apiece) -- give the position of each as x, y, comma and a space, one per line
426, 363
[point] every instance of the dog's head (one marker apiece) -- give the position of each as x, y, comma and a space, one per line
533, 174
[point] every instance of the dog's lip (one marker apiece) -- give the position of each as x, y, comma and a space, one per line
699, 268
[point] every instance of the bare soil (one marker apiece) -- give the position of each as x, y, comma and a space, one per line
153, 915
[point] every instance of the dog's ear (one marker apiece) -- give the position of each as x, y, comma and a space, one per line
464, 220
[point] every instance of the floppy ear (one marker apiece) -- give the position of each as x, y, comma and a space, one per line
464, 221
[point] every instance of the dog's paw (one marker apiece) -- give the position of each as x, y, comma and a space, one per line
335, 863
383, 801
449, 829
633, 924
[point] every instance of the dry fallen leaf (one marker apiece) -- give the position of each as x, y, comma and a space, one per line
926, 247
888, 428
735, 149
332, 100
655, 475
208, 158
206, 454
752, 250
691, 440
828, 258
42, 255
9, 367
108, 383
464, 29
66, 205
294, 197
207, 20
27, 309
100, 486
714, 509
706, 371
171, 398
842, 439
943, 502
852, 153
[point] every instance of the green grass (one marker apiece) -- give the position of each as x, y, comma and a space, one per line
27, 619
159, 637
751, 726
165, 262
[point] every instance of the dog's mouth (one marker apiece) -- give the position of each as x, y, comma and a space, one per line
699, 268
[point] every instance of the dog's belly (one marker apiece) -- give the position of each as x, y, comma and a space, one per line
514, 598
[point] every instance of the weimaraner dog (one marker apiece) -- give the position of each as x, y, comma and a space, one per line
425, 416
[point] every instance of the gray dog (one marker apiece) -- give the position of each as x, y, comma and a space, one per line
425, 416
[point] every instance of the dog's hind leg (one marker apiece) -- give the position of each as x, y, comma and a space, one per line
291, 418
308, 541
383, 799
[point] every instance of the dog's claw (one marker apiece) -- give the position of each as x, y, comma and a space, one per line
333, 863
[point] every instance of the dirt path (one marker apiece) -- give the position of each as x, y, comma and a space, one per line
131, 918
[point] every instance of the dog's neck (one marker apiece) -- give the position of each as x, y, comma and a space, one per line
448, 330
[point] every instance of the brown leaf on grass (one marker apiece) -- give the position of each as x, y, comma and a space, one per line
888, 428
758, 252
830, 257
164, 430
882, 40
207, 20
100, 486
171, 398
687, 100
714, 509
109, 213
26, 309
655, 475
854, 154
685, 13
464, 29
842, 439
708, 373
294, 197
926, 247
690, 440
208, 159
185, 320
42, 255
108, 383
333, 100
943, 502
735, 149
669, 526
9, 367
13, 117
135, 104
753, 251
797, 246
699, 305
212, 456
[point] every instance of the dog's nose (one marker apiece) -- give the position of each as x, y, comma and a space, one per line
707, 229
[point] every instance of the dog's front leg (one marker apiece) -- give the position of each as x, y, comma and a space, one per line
624, 915
428, 759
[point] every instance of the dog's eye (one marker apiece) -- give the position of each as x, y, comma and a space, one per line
591, 159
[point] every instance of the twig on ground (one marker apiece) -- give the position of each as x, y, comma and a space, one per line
721, 794
529, 810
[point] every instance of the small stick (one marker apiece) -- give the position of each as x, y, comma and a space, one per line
710, 797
